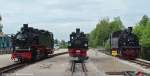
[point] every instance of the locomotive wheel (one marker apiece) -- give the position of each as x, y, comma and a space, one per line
52, 51
120, 53
34, 54
20, 60
38, 55
121, 50
45, 55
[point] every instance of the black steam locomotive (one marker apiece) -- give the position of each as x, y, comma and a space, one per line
125, 44
78, 45
31, 44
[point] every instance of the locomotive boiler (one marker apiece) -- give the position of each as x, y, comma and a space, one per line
30, 44
125, 44
78, 46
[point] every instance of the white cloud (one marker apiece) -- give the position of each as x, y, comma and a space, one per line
63, 16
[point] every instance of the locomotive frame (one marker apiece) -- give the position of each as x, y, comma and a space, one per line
78, 46
118, 48
32, 47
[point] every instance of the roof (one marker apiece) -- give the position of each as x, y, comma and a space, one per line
2, 34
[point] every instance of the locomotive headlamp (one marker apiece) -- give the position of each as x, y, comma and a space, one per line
16, 47
85, 44
78, 52
29, 48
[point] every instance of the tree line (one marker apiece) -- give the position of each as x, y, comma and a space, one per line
60, 43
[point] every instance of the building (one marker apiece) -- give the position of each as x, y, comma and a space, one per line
5, 40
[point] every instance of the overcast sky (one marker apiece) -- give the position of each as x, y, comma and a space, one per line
62, 16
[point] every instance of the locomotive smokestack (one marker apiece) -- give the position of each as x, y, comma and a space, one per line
77, 30
0, 17
129, 29
25, 25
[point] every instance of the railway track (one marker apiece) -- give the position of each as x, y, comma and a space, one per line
9, 68
137, 61
140, 62
74, 68
17, 66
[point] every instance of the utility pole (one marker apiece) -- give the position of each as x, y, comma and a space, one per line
1, 26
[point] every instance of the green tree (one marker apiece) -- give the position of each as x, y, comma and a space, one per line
56, 41
63, 44
144, 20
142, 31
116, 24
100, 35
138, 30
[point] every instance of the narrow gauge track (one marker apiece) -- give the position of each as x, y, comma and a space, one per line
142, 63
73, 68
11, 68
16, 66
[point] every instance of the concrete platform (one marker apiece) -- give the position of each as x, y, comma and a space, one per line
60, 51
5, 60
57, 66
97, 65
107, 63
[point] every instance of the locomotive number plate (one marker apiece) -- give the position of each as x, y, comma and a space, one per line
78, 52
74, 58
114, 53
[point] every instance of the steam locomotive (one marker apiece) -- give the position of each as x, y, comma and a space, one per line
31, 44
125, 44
78, 46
